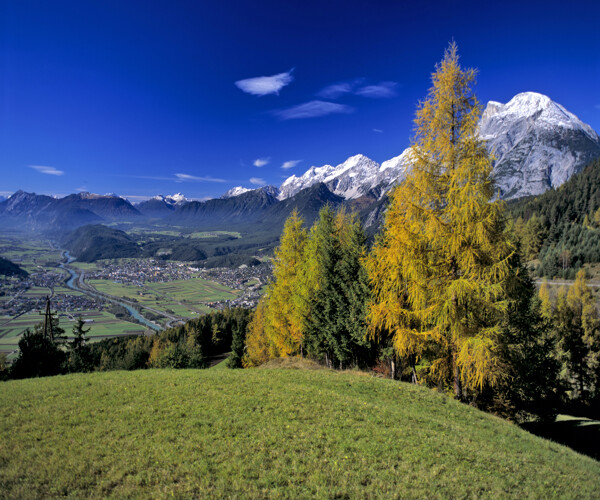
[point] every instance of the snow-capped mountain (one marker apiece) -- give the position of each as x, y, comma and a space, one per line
537, 143
238, 190
172, 199
350, 179
235, 191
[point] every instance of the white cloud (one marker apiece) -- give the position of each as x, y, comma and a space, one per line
46, 170
257, 181
336, 90
264, 85
381, 90
378, 130
193, 178
312, 109
290, 164
261, 162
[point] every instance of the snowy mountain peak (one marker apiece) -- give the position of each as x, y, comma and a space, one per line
235, 191
172, 199
534, 107
537, 143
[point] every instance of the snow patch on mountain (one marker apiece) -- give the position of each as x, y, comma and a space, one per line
172, 199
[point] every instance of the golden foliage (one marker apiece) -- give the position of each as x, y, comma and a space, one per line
437, 270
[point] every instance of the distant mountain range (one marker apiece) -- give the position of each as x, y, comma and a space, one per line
537, 143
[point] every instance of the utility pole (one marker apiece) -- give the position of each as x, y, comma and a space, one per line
48, 321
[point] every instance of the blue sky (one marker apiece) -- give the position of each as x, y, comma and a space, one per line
149, 97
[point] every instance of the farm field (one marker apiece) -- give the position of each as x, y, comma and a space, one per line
103, 325
185, 298
270, 432
213, 234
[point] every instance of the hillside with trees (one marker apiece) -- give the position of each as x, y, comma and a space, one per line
561, 228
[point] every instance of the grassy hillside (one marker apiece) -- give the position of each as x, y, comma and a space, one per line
267, 432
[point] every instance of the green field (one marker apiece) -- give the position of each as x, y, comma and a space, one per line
268, 433
103, 325
185, 298
213, 234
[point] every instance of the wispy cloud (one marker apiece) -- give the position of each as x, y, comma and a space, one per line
337, 90
46, 170
378, 130
261, 162
356, 87
290, 164
265, 85
380, 91
312, 109
193, 178
597, 106
257, 181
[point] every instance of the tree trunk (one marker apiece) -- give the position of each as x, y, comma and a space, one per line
456, 373
392, 369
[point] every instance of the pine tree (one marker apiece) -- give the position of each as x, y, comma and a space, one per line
79, 353
529, 384
437, 271
337, 287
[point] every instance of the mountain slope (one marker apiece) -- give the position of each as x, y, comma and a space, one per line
108, 207
268, 433
41, 212
561, 227
224, 212
94, 242
9, 268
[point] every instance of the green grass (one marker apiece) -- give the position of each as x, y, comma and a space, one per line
267, 433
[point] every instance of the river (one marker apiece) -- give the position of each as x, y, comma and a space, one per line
72, 283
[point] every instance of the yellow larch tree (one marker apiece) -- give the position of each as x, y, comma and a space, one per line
437, 269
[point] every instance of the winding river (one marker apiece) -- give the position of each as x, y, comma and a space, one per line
72, 283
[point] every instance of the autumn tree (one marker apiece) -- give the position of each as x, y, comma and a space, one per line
284, 317
437, 271
277, 327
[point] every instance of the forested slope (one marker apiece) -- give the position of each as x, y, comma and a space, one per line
561, 227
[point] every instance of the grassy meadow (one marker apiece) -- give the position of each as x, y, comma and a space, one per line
292, 433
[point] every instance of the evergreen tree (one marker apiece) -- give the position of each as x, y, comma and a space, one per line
336, 320
38, 355
529, 382
79, 354
237, 347
578, 331
437, 271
